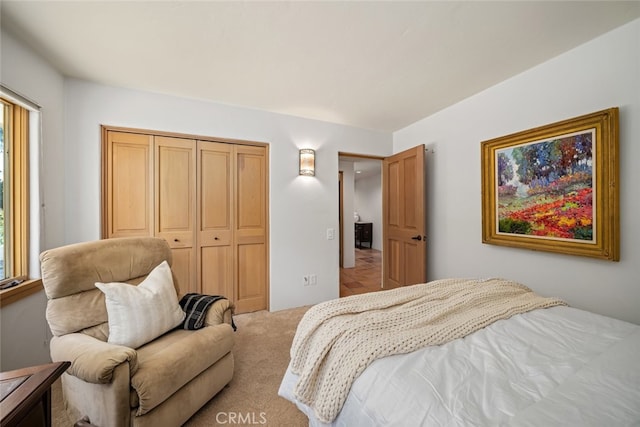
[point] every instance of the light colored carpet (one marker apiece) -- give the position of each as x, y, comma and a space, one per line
261, 356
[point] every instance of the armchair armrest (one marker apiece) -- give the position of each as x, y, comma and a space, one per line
92, 360
219, 312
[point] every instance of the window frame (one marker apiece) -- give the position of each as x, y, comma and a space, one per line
17, 234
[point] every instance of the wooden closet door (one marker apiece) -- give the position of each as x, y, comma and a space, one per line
250, 228
128, 162
175, 205
215, 218
207, 199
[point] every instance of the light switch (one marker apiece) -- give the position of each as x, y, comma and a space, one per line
331, 233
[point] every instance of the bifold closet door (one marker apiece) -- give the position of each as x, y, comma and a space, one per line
175, 205
207, 199
215, 218
128, 186
250, 228
232, 224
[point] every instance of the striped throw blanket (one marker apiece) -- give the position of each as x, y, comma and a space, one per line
336, 340
195, 307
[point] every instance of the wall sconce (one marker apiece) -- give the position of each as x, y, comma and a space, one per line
307, 162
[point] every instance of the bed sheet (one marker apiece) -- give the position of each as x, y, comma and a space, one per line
554, 367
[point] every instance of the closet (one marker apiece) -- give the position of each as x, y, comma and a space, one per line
207, 197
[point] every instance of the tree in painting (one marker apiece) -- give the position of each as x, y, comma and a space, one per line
546, 188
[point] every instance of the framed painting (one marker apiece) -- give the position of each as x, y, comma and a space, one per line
555, 188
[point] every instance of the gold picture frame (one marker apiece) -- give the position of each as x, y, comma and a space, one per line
555, 188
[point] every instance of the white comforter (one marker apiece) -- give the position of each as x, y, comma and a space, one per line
550, 367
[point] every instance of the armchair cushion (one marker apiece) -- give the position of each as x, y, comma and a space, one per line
171, 361
139, 314
92, 360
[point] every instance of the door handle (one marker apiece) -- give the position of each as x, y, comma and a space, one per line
418, 237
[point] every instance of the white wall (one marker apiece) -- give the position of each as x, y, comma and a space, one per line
25, 334
368, 204
301, 208
600, 74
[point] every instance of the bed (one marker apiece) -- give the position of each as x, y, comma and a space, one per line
552, 365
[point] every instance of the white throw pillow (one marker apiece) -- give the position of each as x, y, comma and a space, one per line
139, 314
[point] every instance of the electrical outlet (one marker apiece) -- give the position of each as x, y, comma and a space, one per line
313, 280
331, 233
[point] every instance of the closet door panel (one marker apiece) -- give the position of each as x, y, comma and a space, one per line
175, 179
251, 287
217, 271
183, 269
215, 186
175, 195
215, 218
128, 185
250, 228
250, 190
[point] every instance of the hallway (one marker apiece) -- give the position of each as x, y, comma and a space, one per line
365, 277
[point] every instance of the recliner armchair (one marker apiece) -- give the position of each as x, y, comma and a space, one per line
163, 382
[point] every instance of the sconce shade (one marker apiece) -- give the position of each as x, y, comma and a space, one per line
307, 162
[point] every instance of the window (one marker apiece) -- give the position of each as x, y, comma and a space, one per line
14, 189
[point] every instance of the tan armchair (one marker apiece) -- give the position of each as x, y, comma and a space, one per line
163, 382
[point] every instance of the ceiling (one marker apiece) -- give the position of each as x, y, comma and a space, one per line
363, 167
370, 64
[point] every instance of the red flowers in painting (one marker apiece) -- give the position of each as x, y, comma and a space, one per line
569, 216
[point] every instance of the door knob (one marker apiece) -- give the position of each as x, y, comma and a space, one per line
418, 237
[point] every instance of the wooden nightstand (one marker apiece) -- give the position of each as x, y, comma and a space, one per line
26, 394
364, 233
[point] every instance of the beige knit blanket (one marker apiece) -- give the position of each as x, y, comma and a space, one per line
336, 340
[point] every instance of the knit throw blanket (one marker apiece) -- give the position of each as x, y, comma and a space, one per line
336, 340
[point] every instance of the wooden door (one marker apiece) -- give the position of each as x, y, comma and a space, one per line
403, 219
175, 205
127, 187
215, 218
250, 228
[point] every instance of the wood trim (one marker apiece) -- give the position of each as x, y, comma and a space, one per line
106, 128
267, 227
104, 187
23, 290
360, 156
341, 215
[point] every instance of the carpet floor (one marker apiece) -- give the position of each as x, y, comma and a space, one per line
261, 355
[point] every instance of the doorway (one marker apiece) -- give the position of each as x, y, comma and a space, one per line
404, 240
360, 223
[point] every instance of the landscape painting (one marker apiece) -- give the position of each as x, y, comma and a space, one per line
555, 188
545, 188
